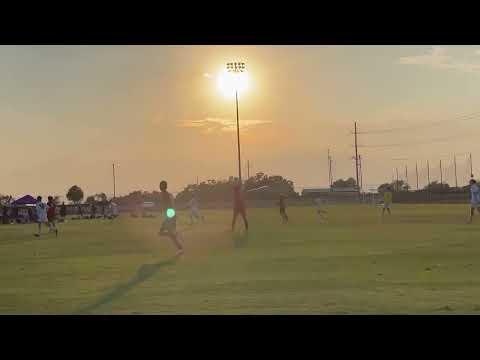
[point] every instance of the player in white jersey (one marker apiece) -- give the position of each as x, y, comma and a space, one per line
474, 199
194, 210
41, 210
322, 214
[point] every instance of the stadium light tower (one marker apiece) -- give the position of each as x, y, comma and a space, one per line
236, 69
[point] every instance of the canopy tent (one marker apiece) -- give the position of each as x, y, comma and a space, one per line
26, 200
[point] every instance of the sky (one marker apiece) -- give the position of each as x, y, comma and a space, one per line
68, 112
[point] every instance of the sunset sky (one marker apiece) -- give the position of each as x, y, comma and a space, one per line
69, 111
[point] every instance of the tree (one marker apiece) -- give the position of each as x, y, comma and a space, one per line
221, 190
435, 186
5, 199
90, 199
399, 185
101, 198
382, 188
348, 183
75, 194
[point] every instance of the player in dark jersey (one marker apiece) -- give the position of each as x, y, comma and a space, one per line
283, 207
169, 225
239, 206
63, 211
51, 208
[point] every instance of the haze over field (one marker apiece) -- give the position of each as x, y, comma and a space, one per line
69, 111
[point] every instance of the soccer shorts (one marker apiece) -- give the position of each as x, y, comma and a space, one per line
387, 205
239, 210
169, 225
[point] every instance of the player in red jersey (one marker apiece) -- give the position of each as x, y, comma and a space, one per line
239, 206
51, 215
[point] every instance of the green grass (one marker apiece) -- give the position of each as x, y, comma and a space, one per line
421, 260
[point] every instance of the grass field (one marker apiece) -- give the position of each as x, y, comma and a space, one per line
421, 260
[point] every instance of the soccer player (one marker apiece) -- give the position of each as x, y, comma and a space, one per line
51, 215
41, 209
475, 199
282, 205
387, 200
321, 213
194, 210
239, 206
169, 225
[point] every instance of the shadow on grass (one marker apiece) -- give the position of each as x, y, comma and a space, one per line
145, 272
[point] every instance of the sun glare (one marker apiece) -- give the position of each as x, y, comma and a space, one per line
228, 82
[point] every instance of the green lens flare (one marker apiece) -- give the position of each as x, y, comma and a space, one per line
170, 213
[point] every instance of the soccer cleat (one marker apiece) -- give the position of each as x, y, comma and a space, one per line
179, 252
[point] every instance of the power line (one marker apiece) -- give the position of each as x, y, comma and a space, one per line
431, 141
464, 117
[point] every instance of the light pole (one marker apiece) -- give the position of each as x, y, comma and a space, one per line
114, 184
236, 68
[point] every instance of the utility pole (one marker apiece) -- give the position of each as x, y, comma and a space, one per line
114, 185
471, 166
356, 155
441, 173
416, 172
455, 166
197, 180
361, 171
428, 179
248, 169
329, 169
331, 172
428, 173
396, 186
406, 176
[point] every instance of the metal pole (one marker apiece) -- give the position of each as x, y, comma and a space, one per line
248, 169
356, 155
396, 169
441, 173
114, 185
361, 171
455, 166
238, 141
416, 172
428, 179
329, 169
428, 173
471, 166
406, 176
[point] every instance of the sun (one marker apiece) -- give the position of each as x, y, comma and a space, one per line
228, 82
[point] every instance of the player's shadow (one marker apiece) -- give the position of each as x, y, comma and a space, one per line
145, 272
240, 240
